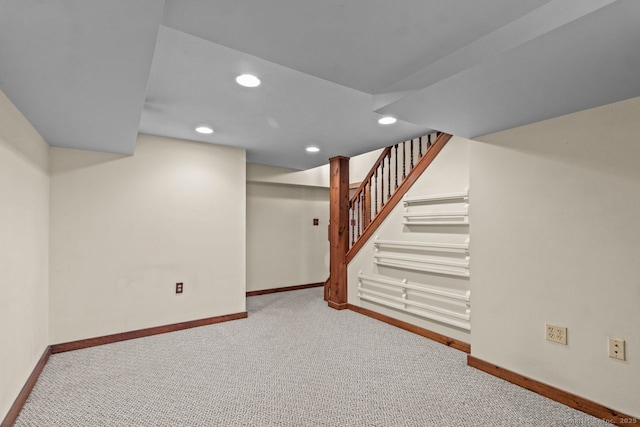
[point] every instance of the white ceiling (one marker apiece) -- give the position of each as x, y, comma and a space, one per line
91, 74
362, 44
78, 69
274, 122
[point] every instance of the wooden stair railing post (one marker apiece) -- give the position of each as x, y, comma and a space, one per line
328, 281
326, 289
367, 206
404, 161
396, 169
338, 231
389, 176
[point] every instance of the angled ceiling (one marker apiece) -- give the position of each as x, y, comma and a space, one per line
91, 74
274, 122
365, 44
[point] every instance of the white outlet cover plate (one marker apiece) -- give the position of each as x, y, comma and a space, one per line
616, 348
557, 334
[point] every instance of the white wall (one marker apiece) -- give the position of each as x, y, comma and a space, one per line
24, 250
124, 230
555, 237
284, 248
316, 177
448, 173
359, 166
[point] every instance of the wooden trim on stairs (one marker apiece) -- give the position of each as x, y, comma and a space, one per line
338, 306
123, 336
15, 409
284, 289
413, 176
338, 230
553, 393
442, 339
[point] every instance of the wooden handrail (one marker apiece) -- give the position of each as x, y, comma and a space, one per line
366, 180
364, 206
370, 225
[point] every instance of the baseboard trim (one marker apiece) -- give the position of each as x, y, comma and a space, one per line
442, 339
15, 409
338, 305
553, 393
284, 289
123, 336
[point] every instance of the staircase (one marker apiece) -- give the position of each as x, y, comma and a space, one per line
397, 168
354, 219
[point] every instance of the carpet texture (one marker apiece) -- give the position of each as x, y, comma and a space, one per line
293, 362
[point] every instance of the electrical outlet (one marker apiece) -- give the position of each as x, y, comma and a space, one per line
557, 334
179, 287
616, 348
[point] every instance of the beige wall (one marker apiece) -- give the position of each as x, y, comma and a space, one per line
359, 167
555, 237
24, 250
316, 177
124, 230
284, 248
448, 173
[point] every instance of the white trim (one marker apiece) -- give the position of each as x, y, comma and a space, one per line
466, 297
422, 312
427, 269
433, 246
436, 198
437, 218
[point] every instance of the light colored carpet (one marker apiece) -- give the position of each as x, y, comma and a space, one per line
293, 362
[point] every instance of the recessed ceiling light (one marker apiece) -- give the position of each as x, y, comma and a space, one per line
313, 149
204, 129
387, 120
248, 80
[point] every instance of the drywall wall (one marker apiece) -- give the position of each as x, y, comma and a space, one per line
359, 166
448, 173
284, 248
555, 238
316, 177
124, 230
24, 250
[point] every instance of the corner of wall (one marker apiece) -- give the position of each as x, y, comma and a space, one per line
126, 229
555, 235
24, 250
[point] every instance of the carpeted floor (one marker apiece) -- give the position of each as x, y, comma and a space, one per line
293, 362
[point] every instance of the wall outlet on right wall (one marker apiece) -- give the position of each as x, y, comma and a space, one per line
556, 334
616, 348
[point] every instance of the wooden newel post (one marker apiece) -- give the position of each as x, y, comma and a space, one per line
338, 231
